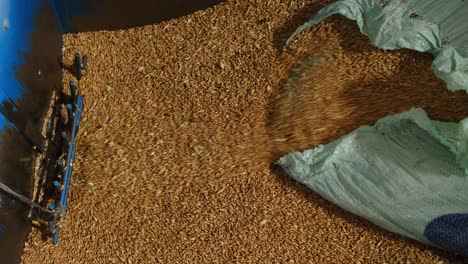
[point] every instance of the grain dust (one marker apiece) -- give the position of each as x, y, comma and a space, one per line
176, 139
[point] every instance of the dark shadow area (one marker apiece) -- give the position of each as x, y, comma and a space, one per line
123, 14
16, 159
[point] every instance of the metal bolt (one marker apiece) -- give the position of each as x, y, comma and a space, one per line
6, 24
39, 74
73, 90
70, 111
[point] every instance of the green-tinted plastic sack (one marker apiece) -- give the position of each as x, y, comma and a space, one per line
436, 26
397, 174
407, 173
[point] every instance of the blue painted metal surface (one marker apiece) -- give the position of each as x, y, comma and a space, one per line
30, 44
30, 48
75, 116
17, 19
77, 110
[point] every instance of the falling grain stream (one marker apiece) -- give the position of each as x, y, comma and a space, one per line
183, 119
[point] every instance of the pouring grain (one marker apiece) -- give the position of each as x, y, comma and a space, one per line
173, 163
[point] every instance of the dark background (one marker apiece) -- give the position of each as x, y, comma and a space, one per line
92, 15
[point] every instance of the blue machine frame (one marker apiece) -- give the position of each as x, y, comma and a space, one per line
76, 110
30, 62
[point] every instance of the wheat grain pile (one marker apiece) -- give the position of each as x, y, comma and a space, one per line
180, 124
